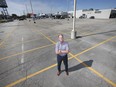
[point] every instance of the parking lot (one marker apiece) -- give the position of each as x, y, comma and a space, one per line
28, 59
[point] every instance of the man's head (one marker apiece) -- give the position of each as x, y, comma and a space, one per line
61, 37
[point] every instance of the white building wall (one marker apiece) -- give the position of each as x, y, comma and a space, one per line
105, 14
78, 13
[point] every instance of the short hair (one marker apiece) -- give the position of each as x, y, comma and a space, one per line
61, 35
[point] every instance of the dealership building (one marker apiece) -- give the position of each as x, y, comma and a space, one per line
95, 13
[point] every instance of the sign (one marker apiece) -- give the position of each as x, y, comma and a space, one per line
3, 4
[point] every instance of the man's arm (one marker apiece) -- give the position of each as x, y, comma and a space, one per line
62, 52
58, 52
57, 49
67, 50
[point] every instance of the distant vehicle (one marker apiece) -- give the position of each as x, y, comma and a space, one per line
21, 18
60, 15
56, 16
83, 16
42, 16
50, 15
92, 17
10, 20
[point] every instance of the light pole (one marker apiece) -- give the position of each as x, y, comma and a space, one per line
73, 32
31, 6
26, 8
32, 12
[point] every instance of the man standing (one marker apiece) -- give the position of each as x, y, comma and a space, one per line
62, 50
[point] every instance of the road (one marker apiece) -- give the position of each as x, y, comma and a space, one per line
27, 57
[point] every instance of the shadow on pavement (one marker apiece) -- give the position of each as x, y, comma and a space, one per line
96, 34
80, 66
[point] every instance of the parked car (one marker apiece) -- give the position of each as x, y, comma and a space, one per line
92, 17
21, 18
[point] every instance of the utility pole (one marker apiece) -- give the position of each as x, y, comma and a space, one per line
23, 12
73, 32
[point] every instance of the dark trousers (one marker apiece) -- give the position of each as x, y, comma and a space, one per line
65, 61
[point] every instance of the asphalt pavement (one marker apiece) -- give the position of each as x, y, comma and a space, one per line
28, 59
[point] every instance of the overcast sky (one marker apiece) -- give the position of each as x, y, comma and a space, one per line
48, 6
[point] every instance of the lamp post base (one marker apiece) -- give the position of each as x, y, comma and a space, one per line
73, 34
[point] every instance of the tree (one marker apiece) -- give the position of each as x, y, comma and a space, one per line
91, 9
14, 16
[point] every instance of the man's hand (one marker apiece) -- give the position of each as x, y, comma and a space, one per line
66, 51
60, 52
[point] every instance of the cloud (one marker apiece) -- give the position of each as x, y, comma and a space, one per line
41, 7
45, 8
38, 7
14, 7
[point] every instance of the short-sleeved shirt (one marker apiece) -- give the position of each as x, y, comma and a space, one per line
62, 46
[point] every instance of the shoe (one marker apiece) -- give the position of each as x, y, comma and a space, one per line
58, 73
67, 73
